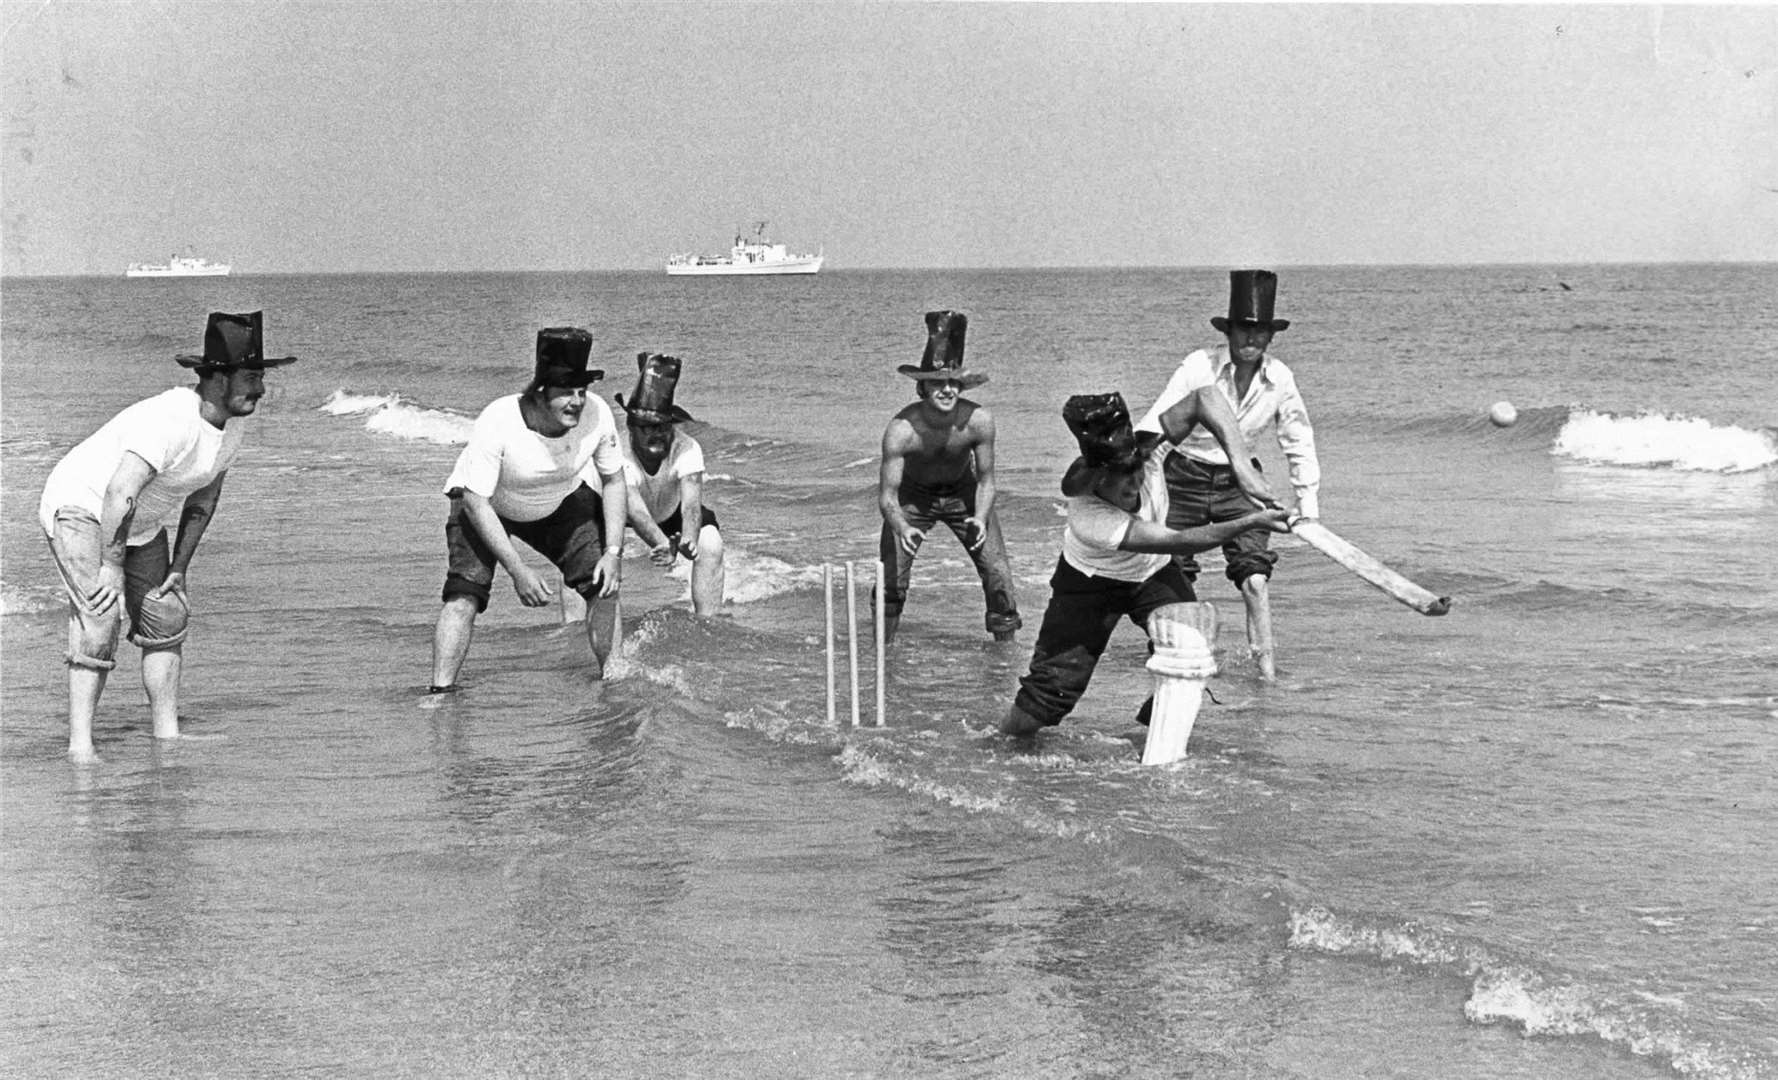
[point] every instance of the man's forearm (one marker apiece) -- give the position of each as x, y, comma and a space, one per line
119, 512
1208, 407
615, 494
644, 525
194, 519
889, 504
1154, 538
485, 521
192, 524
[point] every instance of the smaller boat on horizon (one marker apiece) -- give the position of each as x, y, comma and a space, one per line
178, 266
755, 255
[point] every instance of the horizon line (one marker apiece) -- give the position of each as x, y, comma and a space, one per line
925, 269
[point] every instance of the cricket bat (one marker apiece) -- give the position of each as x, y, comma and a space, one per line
1324, 540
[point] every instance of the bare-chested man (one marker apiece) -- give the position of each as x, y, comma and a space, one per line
938, 466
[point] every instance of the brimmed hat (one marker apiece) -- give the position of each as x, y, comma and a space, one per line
943, 359
562, 353
652, 400
233, 341
1101, 425
1251, 294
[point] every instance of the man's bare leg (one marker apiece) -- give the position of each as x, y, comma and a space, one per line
1259, 624
603, 627
450, 641
161, 670
707, 573
86, 681
85, 684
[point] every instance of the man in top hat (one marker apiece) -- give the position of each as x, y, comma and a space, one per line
938, 466
665, 470
542, 466
1117, 549
1200, 480
108, 505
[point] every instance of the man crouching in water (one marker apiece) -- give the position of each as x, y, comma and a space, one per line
938, 466
541, 466
665, 470
1117, 550
108, 505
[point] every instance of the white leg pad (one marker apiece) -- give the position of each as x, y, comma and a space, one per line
1181, 665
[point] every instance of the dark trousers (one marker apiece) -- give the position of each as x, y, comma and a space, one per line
925, 508
1081, 616
1198, 494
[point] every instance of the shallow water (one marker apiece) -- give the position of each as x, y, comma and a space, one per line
1530, 838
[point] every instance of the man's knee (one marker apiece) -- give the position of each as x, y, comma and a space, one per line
710, 542
475, 592
160, 622
1250, 565
1003, 614
93, 642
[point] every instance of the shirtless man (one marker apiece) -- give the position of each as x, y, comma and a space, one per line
938, 466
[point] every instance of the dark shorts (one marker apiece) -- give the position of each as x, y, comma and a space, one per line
673, 525
76, 549
1199, 494
572, 538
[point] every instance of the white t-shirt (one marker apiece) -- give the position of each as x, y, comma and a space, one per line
167, 431
1096, 528
660, 492
523, 474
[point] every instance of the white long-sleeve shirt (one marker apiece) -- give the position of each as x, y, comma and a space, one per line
1272, 399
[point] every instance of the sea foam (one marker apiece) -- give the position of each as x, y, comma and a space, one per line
1687, 444
392, 415
1541, 1004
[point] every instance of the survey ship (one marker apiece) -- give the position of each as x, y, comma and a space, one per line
178, 266
750, 255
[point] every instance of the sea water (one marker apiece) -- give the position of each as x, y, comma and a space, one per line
1532, 838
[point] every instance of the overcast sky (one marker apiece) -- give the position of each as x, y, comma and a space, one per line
367, 135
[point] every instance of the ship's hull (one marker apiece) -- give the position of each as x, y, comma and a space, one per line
161, 271
809, 265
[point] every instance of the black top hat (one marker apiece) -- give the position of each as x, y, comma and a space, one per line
943, 358
1101, 425
652, 400
233, 341
562, 353
1251, 293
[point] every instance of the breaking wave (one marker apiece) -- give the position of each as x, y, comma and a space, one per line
394, 416
1686, 444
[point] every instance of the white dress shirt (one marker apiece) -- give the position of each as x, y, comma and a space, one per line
1272, 399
